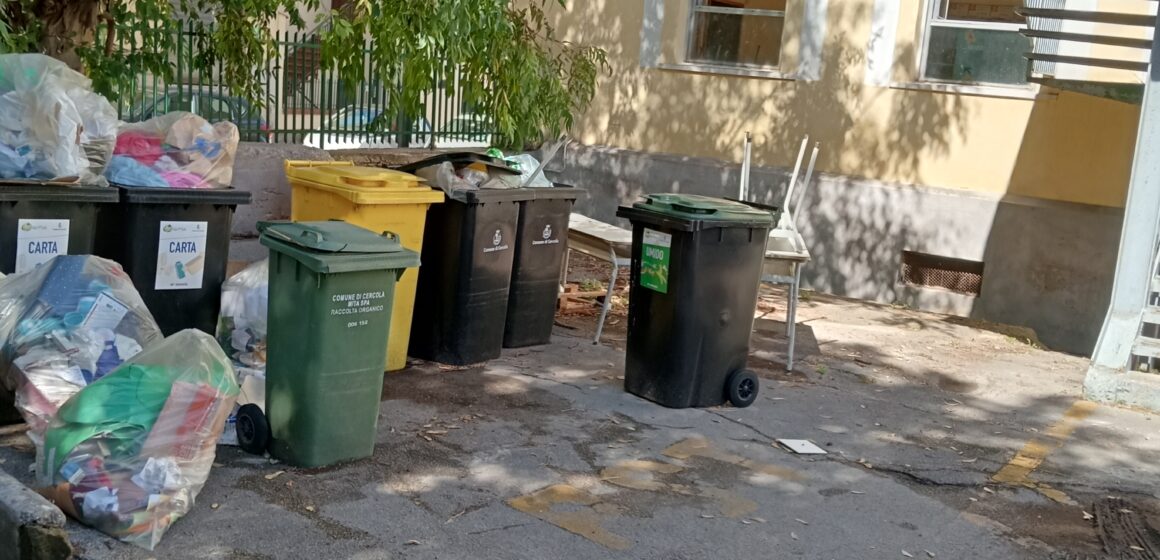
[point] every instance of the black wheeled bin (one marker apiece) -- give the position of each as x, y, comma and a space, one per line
175, 245
541, 241
38, 222
462, 299
696, 270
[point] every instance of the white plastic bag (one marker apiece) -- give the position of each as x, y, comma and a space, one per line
129, 454
241, 327
241, 332
52, 125
175, 150
527, 165
63, 325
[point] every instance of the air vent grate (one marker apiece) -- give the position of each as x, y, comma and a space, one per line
932, 271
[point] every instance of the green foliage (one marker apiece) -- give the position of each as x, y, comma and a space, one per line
17, 38
504, 52
512, 66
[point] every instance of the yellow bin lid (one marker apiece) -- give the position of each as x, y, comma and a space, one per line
362, 185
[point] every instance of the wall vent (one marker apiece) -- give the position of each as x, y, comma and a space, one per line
932, 271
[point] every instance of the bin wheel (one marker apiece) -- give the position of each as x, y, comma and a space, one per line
742, 388
253, 429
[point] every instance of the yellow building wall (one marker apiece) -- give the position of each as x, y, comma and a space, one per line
1058, 146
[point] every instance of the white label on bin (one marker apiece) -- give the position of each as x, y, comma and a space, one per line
497, 243
548, 237
353, 305
38, 241
181, 255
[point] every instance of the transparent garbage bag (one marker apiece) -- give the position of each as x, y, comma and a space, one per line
527, 164
64, 325
176, 150
52, 125
241, 332
129, 453
242, 323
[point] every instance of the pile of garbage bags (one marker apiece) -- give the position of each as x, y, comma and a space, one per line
500, 173
125, 423
176, 150
52, 125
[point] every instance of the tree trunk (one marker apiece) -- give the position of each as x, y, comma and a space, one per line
67, 24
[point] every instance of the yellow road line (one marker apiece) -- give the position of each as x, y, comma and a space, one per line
1035, 451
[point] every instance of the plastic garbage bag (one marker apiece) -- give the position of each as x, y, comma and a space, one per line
528, 165
445, 178
52, 125
129, 453
242, 324
64, 325
241, 332
176, 150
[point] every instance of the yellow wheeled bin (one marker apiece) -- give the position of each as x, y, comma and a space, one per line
376, 199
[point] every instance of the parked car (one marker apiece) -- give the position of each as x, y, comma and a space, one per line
213, 106
347, 130
466, 131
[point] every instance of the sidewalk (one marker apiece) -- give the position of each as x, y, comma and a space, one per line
541, 454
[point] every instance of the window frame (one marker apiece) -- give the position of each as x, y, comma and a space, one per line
932, 19
691, 28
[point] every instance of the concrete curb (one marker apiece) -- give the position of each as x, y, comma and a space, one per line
31, 528
1125, 388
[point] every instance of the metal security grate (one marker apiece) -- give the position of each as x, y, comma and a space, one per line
933, 271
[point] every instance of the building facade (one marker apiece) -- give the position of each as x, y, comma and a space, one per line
948, 181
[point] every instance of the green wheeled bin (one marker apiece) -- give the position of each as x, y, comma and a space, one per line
696, 271
331, 289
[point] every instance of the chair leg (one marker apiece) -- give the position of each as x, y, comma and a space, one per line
607, 300
564, 271
791, 315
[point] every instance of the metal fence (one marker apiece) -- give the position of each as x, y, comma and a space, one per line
303, 103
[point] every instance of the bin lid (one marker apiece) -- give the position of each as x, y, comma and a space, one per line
337, 246
559, 191
57, 193
362, 185
484, 196
691, 212
228, 196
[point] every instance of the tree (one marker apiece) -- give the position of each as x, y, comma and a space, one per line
505, 51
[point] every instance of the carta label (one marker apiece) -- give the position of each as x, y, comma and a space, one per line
38, 241
549, 236
656, 249
181, 254
351, 306
498, 243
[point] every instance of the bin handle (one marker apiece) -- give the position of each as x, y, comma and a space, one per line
305, 233
692, 209
390, 235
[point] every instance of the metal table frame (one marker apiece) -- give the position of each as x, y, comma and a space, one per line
603, 241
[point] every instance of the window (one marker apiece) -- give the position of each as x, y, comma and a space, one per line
737, 32
975, 41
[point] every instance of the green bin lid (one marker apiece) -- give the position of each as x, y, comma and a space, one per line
337, 246
696, 211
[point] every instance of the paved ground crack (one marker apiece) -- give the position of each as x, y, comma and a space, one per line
494, 529
754, 429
